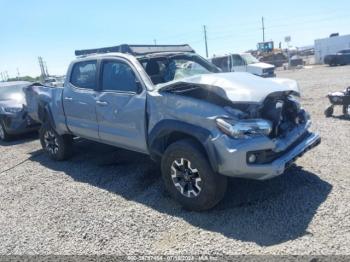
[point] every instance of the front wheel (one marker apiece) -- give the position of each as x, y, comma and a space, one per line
4, 136
329, 111
58, 147
189, 177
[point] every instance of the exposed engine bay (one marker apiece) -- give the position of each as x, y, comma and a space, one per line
284, 111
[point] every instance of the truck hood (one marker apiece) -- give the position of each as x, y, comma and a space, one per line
235, 87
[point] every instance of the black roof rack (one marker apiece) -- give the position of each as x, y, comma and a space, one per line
136, 49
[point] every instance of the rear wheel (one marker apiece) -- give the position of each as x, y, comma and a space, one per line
58, 147
329, 111
333, 63
4, 136
189, 178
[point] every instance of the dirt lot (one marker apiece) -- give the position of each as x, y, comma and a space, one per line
108, 201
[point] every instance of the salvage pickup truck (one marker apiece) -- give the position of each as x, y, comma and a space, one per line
201, 125
245, 62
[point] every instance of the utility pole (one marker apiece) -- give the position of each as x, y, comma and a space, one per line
18, 75
42, 69
46, 71
155, 41
205, 40
263, 28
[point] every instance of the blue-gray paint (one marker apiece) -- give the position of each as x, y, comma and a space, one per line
128, 119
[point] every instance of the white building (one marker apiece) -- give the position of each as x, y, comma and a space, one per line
330, 45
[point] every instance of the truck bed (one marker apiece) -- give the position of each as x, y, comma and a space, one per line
38, 95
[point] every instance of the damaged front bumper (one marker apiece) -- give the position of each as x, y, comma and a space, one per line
273, 156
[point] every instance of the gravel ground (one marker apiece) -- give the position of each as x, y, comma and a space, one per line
109, 201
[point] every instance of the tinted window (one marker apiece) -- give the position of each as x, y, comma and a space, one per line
118, 76
84, 75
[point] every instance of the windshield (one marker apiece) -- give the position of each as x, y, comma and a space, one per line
12, 93
249, 59
164, 69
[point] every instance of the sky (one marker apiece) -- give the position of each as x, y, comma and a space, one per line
55, 29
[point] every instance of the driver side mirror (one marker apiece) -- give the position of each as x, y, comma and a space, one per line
139, 87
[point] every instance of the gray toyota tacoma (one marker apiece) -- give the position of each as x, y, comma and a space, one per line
202, 125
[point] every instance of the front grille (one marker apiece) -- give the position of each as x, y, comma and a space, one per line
269, 71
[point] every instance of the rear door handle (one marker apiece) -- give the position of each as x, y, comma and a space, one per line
102, 103
68, 98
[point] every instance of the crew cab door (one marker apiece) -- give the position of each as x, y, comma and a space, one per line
238, 64
121, 106
79, 100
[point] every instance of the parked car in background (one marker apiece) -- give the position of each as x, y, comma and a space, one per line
14, 117
54, 81
245, 62
173, 105
340, 58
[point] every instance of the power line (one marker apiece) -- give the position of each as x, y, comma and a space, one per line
252, 33
250, 26
253, 24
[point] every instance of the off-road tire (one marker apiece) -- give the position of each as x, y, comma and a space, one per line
329, 111
4, 136
63, 143
213, 186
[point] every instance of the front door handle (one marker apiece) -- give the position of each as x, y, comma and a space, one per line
68, 98
102, 103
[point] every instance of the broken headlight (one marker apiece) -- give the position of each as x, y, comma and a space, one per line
244, 128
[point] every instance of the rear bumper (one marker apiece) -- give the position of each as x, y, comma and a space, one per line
233, 154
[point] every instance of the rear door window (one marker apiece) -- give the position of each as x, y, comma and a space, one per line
84, 75
118, 76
